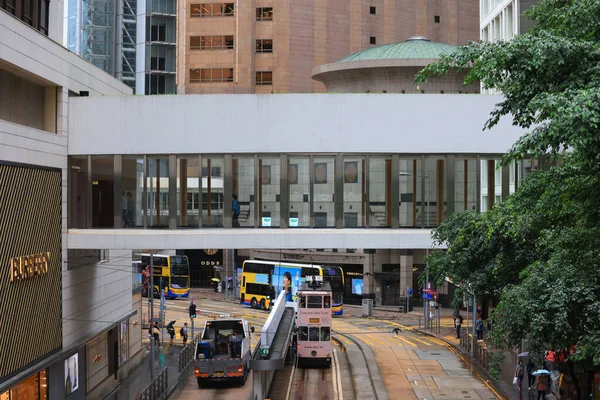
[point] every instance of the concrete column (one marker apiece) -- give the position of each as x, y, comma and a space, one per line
50, 100
368, 270
227, 268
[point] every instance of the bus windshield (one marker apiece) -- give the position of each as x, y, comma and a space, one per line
179, 282
179, 265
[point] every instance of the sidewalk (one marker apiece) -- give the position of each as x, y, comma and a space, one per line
506, 389
140, 377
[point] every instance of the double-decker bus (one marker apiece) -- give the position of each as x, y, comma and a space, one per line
313, 320
335, 276
171, 273
263, 280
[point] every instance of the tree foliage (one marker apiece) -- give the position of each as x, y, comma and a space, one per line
539, 250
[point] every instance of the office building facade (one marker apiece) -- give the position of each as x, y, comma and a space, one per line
272, 46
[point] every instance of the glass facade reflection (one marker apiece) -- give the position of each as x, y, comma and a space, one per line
284, 191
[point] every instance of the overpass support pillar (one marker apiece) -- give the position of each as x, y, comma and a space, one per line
261, 382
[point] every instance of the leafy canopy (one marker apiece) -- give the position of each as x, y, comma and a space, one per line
538, 251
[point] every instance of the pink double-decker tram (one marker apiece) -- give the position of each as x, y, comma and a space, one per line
313, 322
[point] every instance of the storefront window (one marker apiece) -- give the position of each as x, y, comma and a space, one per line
299, 184
324, 188
269, 191
103, 192
354, 192
243, 188
133, 192
33, 388
157, 187
380, 190
465, 184
188, 192
409, 191
212, 191
78, 187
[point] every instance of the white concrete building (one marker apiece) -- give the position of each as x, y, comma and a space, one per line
59, 314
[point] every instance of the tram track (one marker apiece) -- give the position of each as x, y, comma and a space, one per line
366, 361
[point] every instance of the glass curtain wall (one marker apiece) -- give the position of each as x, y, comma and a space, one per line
133, 192
380, 185
354, 192
103, 192
410, 191
269, 191
299, 183
243, 188
323, 192
435, 191
78, 197
157, 186
188, 191
465, 189
491, 183
212, 191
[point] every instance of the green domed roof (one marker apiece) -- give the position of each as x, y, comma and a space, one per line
414, 47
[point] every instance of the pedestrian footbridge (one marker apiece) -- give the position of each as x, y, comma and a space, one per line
272, 349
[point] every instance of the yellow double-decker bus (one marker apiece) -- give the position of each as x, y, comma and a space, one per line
262, 281
171, 273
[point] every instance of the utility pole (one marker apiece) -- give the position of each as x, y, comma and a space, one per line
426, 298
150, 293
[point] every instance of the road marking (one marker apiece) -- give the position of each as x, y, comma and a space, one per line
421, 341
406, 340
408, 328
375, 339
338, 376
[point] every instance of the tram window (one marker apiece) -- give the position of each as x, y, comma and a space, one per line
313, 334
303, 333
327, 302
314, 302
325, 333
302, 302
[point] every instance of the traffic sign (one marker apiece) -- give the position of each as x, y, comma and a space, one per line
410, 292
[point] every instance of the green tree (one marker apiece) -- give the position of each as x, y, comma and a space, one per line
538, 251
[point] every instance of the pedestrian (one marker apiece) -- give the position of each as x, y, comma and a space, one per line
156, 333
479, 328
541, 386
235, 212
519, 374
530, 376
458, 319
171, 331
184, 333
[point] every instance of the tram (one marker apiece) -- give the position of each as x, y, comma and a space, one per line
313, 322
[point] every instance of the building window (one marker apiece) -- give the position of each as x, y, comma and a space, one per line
264, 77
373, 10
212, 10
206, 75
264, 45
10, 6
33, 12
264, 14
211, 42
373, 40
436, 19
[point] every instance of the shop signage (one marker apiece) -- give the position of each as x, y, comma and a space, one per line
26, 267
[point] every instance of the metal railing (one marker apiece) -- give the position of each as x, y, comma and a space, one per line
478, 350
158, 388
186, 355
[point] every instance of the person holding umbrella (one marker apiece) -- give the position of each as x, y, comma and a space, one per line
171, 330
541, 382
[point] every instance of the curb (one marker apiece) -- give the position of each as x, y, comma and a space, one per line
483, 375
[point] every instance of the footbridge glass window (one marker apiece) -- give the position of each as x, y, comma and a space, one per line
212, 191
324, 188
243, 187
132, 203
157, 186
188, 191
354, 170
299, 191
269, 193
